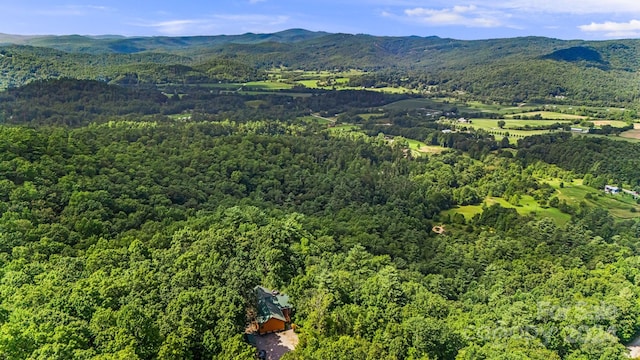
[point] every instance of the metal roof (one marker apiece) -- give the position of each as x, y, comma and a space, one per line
270, 304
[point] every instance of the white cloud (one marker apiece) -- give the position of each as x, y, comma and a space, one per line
469, 16
614, 29
253, 19
571, 6
522, 7
177, 27
74, 10
229, 23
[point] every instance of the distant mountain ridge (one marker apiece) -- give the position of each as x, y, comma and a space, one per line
369, 50
128, 45
511, 69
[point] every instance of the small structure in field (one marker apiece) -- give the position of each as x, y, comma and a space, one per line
274, 310
610, 189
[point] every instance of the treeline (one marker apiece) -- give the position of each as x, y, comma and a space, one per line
513, 82
143, 240
74, 102
616, 161
20, 65
507, 71
79, 102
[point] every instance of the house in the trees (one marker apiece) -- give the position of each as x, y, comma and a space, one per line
274, 310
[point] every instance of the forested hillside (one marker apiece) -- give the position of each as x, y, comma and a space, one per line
148, 185
503, 70
144, 240
606, 160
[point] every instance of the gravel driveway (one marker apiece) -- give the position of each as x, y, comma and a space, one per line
277, 344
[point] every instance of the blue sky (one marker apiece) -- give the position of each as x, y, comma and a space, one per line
472, 19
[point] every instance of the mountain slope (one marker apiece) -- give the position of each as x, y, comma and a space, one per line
505, 70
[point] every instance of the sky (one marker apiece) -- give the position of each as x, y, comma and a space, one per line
472, 19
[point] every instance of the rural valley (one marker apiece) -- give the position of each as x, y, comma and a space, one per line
379, 197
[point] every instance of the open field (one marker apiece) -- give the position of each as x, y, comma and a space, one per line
322, 83
412, 104
317, 79
419, 148
492, 124
431, 149
495, 108
288, 73
391, 90
292, 94
613, 123
622, 137
527, 206
316, 119
345, 127
573, 193
268, 85
549, 115
370, 115
222, 86
619, 205
631, 134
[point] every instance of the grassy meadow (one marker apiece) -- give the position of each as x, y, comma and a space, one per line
527, 206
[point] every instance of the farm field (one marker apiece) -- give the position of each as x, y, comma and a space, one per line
492, 124
268, 85
274, 92
501, 109
413, 104
613, 123
337, 83
527, 206
623, 137
573, 193
346, 128
619, 205
632, 134
316, 119
431, 149
419, 148
370, 115
549, 115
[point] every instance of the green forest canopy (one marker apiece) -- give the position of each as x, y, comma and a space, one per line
129, 234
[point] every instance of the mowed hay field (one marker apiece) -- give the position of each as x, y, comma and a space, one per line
492, 124
549, 115
527, 206
632, 134
614, 123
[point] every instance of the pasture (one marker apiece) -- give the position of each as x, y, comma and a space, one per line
549, 115
268, 85
632, 134
527, 206
418, 148
573, 193
413, 104
492, 124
